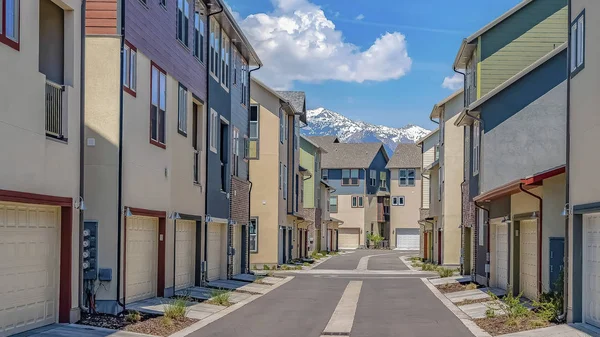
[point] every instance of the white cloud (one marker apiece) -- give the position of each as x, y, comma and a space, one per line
360, 17
296, 42
453, 83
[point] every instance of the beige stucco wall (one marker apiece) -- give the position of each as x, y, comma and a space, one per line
428, 157
325, 216
435, 206
585, 122
266, 198
352, 217
31, 162
406, 216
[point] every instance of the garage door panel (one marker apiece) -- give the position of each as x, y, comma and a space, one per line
185, 253
529, 258
348, 238
142, 258
214, 251
591, 261
29, 248
502, 256
408, 239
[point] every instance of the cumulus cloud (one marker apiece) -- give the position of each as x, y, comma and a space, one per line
296, 42
360, 17
453, 83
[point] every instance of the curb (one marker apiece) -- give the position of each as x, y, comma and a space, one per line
202, 323
407, 263
464, 318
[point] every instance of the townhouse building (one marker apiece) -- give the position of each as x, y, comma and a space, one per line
583, 192
405, 197
167, 190
276, 218
429, 158
310, 159
329, 225
357, 172
515, 192
448, 173
40, 195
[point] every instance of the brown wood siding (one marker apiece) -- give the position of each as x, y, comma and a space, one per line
101, 17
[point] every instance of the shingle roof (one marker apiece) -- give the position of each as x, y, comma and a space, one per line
405, 156
350, 155
296, 98
323, 140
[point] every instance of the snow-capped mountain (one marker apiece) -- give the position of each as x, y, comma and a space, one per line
322, 122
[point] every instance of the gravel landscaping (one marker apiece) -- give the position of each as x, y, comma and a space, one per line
454, 287
501, 325
156, 325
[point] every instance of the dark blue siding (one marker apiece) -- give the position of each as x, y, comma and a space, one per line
239, 115
335, 180
378, 164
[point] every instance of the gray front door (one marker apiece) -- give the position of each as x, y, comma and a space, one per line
557, 254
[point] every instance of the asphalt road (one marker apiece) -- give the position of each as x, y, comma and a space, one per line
386, 305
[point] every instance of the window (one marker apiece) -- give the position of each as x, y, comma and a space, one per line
182, 110
281, 126
9, 22
481, 224
296, 133
225, 50
130, 69
578, 44
235, 65
215, 33
350, 177
333, 204
236, 151
383, 180
162, 3
398, 201
254, 122
224, 154
195, 137
183, 21
158, 109
253, 235
373, 177
285, 181
252, 144
214, 131
407, 177
199, 36
244, 80
441, 119
280, 175
325, 174
476, 135
357, 201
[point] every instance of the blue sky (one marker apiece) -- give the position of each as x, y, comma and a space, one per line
433, 30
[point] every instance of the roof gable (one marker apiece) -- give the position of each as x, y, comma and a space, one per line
405, 156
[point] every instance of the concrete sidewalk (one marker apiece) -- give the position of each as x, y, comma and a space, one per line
553, 331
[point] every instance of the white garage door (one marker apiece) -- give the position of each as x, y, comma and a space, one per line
501, 256
591, 269
529, 258
348, 237
142, 258
214, 250
408, 239
237, 244
185, 252
29, 255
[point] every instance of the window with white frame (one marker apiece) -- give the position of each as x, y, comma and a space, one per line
234, 63
333, 204
372, 177
244, 80
481, 224
285, 181
183, 21
158, 108
252, 143
296, 133
214, 130
350, 177
325, 174
215, 46
199, 36
130, 68
280, 175
225, 51
281, 126
236, 151
253, 235
578, 43
398, 201
406, 177
383, 180
476, 138
357, 201
10, 22
182, 110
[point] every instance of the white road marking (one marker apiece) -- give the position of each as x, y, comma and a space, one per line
364, 261
342, 319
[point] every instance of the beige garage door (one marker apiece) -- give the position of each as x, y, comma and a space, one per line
29, 255
185, 252
214, 250
529, 258
237, 244
349, 238
591, 269
501, 255
142, 258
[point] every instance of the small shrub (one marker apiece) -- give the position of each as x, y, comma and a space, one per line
537, 323
285, 267
220, 297
510, 305
298, 267
445, 272
429, 267
133, 316
415, 258
306, 264
266, 267
166, 321
490, 313
176, 309
471, 286
254, 267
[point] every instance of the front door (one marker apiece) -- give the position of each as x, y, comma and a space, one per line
557, 254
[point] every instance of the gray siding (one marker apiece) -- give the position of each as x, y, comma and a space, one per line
525, 126
239, 114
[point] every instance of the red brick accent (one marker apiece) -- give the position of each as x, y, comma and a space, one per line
240, 200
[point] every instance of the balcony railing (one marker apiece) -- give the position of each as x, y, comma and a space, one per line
54, 110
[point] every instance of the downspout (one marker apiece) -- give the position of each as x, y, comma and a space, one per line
539, 238
82, 151
205, 261
487, 255
249, 181
120, 174
464, 84
563, 316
